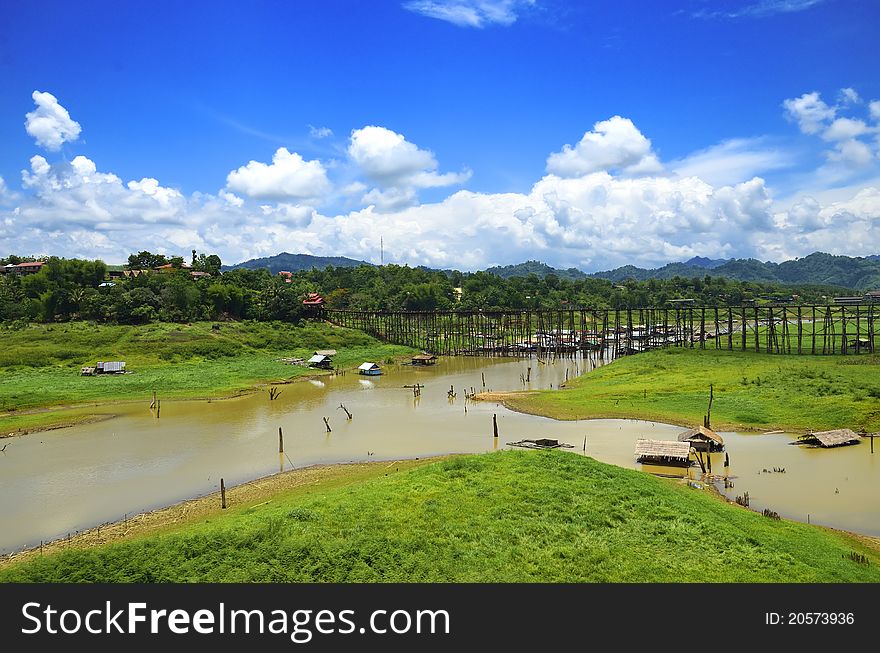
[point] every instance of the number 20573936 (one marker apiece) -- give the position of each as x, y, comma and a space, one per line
809, 618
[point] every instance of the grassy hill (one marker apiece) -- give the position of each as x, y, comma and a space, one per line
504, 517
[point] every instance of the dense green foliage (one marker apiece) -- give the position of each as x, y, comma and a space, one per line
504, 517
69, 289
750, 390
40, 364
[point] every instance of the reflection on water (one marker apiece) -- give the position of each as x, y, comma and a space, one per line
57, 482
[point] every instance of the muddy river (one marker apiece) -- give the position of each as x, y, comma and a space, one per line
58, 482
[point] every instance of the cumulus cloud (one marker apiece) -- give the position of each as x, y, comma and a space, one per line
598, 207
289, 176
614, 144
470, 13
397, 166
849, 151
809, 111
50, 124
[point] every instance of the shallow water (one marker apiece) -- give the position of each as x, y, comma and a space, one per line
58, 482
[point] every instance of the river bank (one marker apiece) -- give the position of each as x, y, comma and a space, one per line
751, 392
43, 390
505, 517
299, 482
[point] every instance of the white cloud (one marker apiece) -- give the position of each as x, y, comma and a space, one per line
397, 166
50, 124
852, 153
470, 13
759, 9
584, 214
809, 111
614, 144
732, 160
849, 96
232, 199
287, 177
320, 132
844, 129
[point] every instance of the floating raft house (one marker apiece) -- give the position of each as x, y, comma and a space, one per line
702, 439
424, 359
369, 369
828, 439
663, 452
541, 443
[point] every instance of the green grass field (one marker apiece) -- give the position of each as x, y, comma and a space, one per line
766, 391
503, 517
40, 364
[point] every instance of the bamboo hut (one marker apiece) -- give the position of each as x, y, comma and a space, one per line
663, 452
424, 359
828, 439
703, 439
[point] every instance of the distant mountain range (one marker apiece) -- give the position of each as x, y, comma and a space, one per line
296, 262
818, 268
857, 273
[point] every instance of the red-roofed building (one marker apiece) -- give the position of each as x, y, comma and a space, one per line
314, 305
287, 276
29, 268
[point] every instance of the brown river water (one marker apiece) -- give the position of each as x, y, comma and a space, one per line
59, 482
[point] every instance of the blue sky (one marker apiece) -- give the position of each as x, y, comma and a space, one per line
465, 133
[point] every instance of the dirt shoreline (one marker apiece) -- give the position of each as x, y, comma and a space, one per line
246, 495
66, 422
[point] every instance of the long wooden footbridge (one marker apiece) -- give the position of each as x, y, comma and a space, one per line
840, 329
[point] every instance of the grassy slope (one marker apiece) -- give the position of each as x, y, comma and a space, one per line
508, 517
40, 364
750, 390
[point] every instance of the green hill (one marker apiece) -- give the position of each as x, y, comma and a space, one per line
296, 262
549, 516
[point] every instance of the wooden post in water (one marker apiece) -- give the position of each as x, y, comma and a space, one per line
158, 407
222, 495
495, 424
327, 424
280, 441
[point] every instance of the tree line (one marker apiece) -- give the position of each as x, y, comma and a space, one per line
77, 289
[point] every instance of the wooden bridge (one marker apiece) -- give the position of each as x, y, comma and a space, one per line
781, 329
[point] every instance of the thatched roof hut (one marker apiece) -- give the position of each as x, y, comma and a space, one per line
663, 452
835, 438
702, 439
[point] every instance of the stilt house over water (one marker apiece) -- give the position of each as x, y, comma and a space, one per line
702, 439
828, 439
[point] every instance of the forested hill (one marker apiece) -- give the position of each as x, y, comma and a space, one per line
817, 268
296, 262
537, 268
